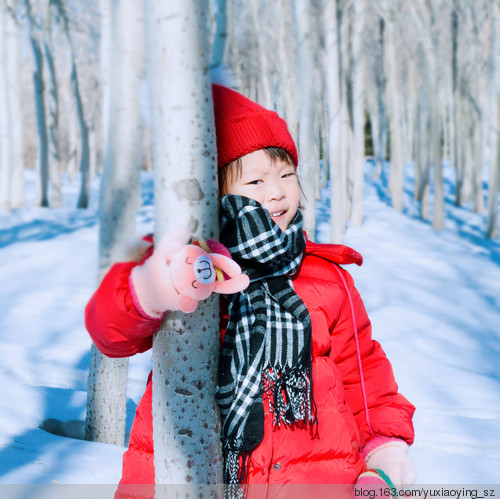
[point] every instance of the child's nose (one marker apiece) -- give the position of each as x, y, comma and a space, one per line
276, 191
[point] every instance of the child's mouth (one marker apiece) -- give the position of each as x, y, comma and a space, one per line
277, 214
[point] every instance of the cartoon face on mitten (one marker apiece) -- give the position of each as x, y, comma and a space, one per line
193, 273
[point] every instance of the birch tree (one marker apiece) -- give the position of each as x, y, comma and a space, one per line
494, 124
220, 36
308, 124
83, 197
5, 153
358, 113
186, 425
107, 383
38, 78
333, 89
53, 103
14, 92
394, 101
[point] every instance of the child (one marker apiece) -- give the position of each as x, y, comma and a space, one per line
315, 400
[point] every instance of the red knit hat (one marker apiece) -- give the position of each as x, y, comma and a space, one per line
243, 126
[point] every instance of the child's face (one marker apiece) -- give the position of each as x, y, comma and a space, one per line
272, 183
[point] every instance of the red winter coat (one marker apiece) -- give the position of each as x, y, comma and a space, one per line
286, 454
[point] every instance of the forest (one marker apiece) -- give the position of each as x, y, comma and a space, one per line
102, 89
407, 83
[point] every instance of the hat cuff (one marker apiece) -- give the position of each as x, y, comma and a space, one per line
253, 132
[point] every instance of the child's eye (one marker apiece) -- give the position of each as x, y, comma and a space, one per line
286, 175
254, 182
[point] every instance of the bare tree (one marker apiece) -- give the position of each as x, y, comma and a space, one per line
14, 93
358, 112
52, 87
120, 188
308, 123
494, 124
83, 198
333, 91
186, 425
38, 78
395, 118
5, 154
219, 44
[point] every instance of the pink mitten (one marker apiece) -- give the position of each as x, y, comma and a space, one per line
391, 456
177, 275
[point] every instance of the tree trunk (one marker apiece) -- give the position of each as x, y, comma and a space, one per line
40, 107
337, 173
186, 424
17, 198
83, 198
5, 126
265, 96
53, 106
105, 68
288, 67
393, 97
308, 125
120, 186
358, 114
220, 37
494, 136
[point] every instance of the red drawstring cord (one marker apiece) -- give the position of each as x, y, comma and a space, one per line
363, 389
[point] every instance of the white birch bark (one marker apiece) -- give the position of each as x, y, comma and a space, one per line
53, 104
494, 123
308, 126
287, 56
358, 114
264, 84
38, 79
5, 137
105, 69
393, 97
337, 173
120, 186
186, 425
14, 82
424, 18
220, 37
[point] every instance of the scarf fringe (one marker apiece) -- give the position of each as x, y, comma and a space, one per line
290, 396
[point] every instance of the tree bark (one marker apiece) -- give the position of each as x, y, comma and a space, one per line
494, 135
308, 124
186, 424
219, 44
53, 105
120, 188
358, 114
393, 97
5, 125
13, 68
333, 75
40, 106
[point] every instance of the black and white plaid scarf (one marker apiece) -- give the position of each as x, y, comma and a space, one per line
267, 345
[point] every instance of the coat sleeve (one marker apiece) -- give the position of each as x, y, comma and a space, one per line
112, 320
389, 413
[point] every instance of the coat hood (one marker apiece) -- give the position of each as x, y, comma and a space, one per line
336, 253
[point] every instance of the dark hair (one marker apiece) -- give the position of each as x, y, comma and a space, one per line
234, 169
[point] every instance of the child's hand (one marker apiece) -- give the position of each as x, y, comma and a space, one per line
177, 275
392, 458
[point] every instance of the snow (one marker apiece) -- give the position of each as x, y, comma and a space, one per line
433, 298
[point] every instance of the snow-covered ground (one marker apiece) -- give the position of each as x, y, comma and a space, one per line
433, 297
